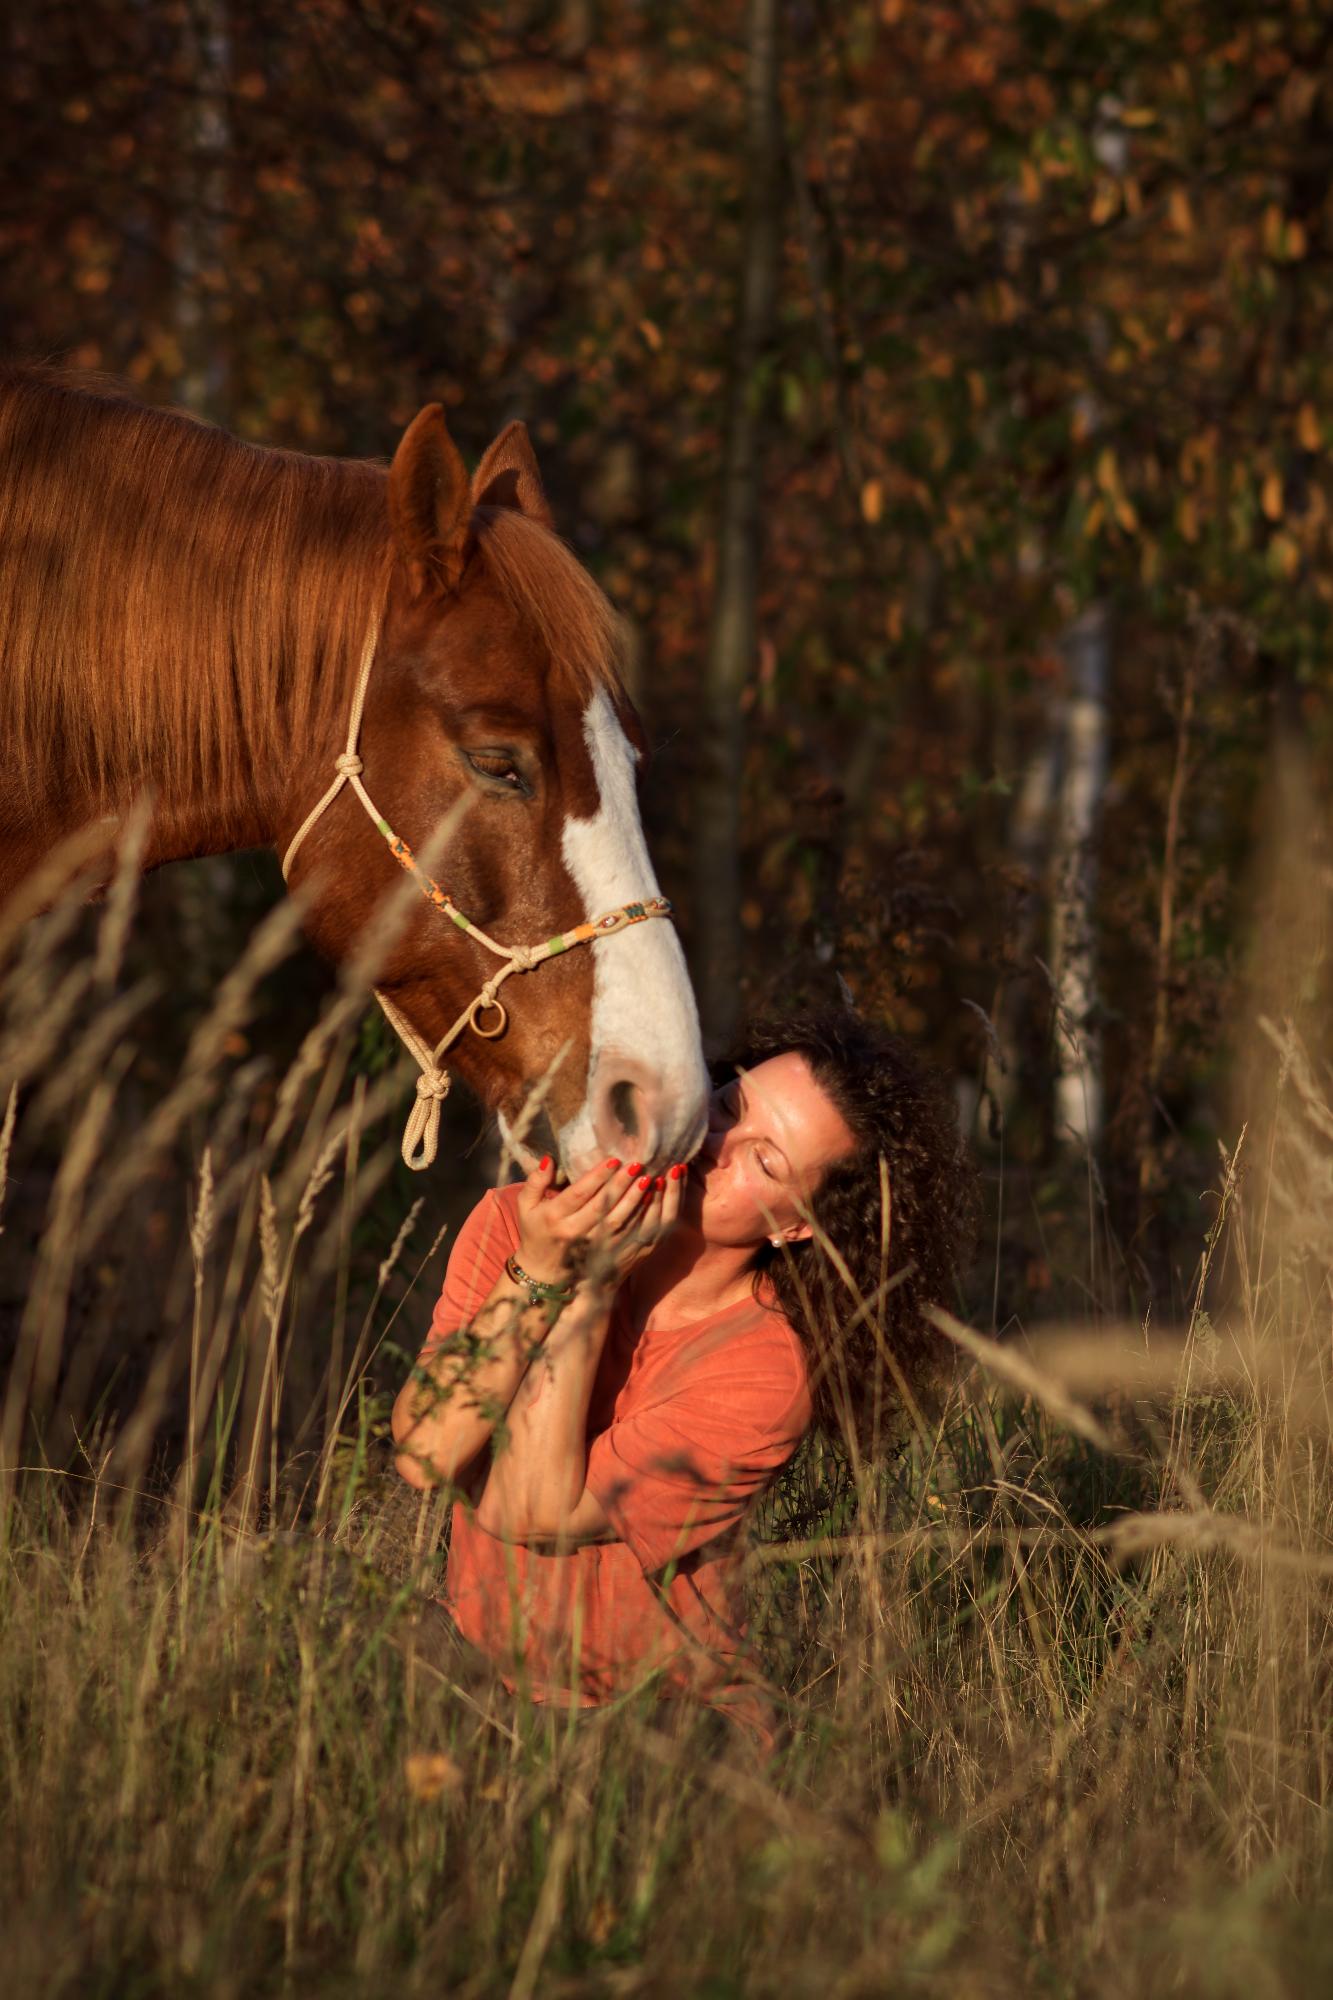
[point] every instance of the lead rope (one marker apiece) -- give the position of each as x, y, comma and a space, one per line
422, 1134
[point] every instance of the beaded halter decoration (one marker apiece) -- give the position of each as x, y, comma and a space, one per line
421, 1138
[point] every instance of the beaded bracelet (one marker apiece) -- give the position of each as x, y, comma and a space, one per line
552, 1298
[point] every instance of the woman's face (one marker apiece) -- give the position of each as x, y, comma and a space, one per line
773, 1133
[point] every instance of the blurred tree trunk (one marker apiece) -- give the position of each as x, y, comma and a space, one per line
203, 384
1008, 1082
732, 638
1078, 1089
203, 896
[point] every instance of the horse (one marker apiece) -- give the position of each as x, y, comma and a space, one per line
340, 660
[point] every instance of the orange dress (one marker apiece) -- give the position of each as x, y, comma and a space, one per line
685, 1429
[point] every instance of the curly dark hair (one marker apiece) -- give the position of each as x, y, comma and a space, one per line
855, 1298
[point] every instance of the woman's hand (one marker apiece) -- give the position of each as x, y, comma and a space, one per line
599, 1226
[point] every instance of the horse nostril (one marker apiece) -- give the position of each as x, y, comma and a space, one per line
624, 1101
625, 1107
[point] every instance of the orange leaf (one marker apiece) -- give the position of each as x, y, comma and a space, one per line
429, 1774
1181, 214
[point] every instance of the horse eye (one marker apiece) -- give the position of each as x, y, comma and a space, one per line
493, 765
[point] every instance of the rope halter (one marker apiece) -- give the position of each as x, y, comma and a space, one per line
486, 1014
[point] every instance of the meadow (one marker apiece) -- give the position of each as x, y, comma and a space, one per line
1056, 1682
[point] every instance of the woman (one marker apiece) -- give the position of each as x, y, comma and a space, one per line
617, 1369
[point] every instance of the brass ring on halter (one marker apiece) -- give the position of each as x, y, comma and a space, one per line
483, 1006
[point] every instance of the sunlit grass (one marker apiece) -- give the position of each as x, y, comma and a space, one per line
1056, 1684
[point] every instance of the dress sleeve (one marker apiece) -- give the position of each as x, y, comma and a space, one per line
682, 1471
475, 1264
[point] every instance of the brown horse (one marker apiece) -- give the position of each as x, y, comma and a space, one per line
187, 616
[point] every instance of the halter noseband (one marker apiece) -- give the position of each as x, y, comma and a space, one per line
421, 1138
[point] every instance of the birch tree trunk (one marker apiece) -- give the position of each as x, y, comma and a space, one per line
1078, 1089
202, 895
732, 639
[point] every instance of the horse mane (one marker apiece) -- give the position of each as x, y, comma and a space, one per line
175, 605
180, 609
544, 582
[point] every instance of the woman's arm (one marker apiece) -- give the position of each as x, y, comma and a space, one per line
536, 1490
449, 1405
448, 1409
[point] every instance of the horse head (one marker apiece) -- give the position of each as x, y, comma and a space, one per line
493, 707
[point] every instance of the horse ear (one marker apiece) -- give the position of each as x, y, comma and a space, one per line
430, 504
508, 476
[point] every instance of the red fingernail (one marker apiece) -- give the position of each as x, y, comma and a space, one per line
661, 1180
676, 1173
611, 1164
647, 1181
543, 1163
635, 1170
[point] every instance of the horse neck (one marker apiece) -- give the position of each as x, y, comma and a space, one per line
208, 654
280, 748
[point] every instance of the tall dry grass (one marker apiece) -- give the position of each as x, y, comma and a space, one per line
1057, 1682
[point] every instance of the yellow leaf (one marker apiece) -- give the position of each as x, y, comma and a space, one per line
976, 389
1030, 181
1126, 515
651, 335
1095, 516
1181, 214
872, 500
1108, 472
1105, 202
1271, 497
1138, 114
1308, 431
1297, 242
429, 1774
893, 621
1187, 518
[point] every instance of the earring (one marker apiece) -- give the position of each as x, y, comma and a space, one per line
776, 1241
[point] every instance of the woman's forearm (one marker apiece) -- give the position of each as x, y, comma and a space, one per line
539, 1467
449, 1406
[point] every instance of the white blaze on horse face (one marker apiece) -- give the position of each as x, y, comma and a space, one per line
645, 1056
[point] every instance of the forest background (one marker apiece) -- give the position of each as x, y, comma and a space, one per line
1010, 323
943, 393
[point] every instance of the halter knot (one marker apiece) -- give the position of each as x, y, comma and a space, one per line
433, 1083
524, 956
349, 764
